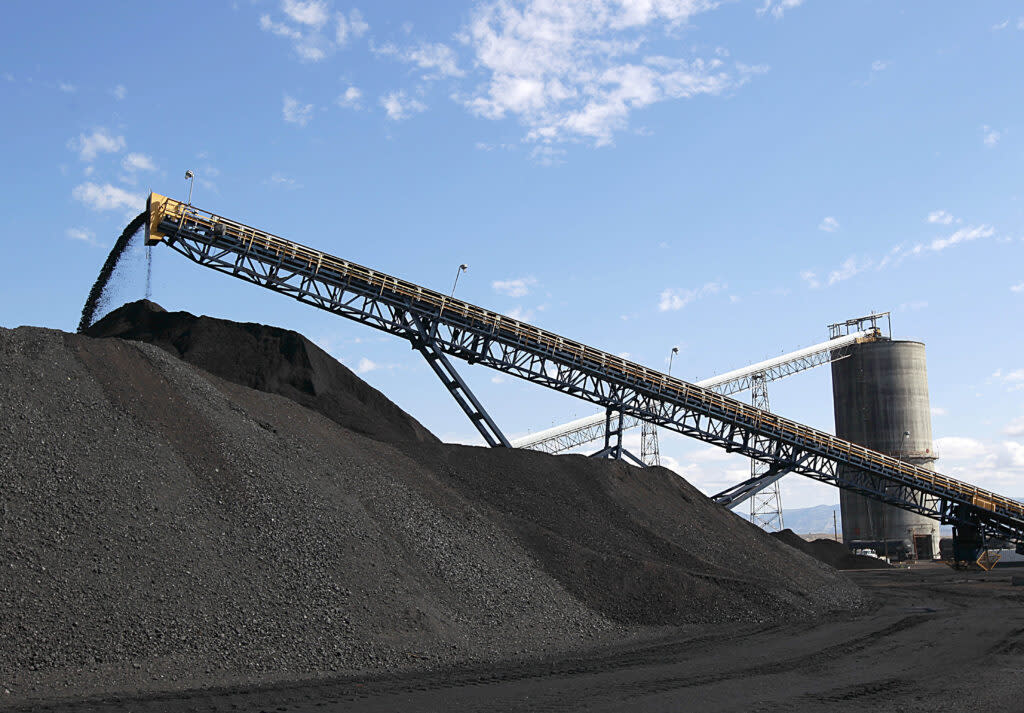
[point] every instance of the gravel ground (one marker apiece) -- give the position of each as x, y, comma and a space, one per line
167, 529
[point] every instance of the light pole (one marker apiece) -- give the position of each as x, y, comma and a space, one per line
675, 350
191, 178
906, 435
462, 268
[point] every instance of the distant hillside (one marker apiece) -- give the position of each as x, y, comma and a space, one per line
803, 521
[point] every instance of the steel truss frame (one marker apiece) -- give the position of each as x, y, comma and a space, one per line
454, 329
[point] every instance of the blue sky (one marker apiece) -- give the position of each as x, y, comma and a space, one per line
725, 177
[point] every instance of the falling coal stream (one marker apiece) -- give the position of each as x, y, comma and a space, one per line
98, 287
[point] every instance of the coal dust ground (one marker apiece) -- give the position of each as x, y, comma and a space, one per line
938, 640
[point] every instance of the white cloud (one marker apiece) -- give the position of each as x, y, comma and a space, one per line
497, 379
1020, 23
295, 112
1019, 287
938, 411
523, 315
283, 181
353, 26
941, 217
92, 145
991, 136
137, 162
811, 278
1015, 427
959, 448
400, 106
279, 29
67, 88
107, 197
311, 12
83, 234
675, 298
829, 224
878, 65
351, 98
119, 92
1001, 26
519, 287
365, 366
850, 267
437, 60
571, 71
854, 265
778, 8
963, 235
307, 24
547, 155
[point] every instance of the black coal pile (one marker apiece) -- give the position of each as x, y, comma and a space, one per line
270, 359
166, 526
834, 554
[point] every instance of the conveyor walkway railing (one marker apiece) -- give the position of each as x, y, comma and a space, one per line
456, 328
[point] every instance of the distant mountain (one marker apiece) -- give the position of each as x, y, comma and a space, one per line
804, 521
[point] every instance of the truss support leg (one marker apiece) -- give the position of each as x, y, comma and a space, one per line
613, 439
741, 492
459, 389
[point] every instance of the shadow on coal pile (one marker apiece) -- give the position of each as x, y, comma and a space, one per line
268, 516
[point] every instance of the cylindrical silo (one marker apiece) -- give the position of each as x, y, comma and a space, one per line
880, 392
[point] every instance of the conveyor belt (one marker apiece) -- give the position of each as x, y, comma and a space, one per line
457, 328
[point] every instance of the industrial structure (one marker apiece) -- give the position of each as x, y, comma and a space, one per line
880, 397
440, 327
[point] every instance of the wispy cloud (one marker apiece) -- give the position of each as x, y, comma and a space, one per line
67, 88
282, 181
855, 265
106, 197
351, 98
351, 27
777, 8
990, 136
399, 105
82, 234
89, 146
312, 30
119, 92
518, 287
295, 112
675, 298
940, 217
437, 60
137, 162
1019, 287
829, 224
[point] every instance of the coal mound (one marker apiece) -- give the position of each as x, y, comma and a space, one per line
270, 359
228, 505
834, 554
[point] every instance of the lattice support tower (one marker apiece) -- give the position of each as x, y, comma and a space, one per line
766, 504
649, 452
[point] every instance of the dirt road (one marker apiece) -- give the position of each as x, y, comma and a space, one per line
939, 640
